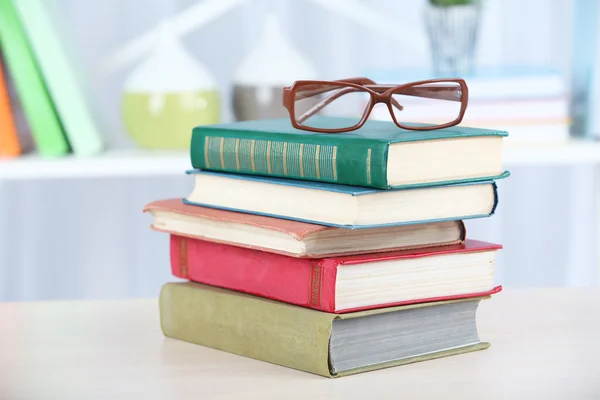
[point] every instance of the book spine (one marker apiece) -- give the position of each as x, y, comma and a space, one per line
300, 281
307, 157
37, 104
75, 116
495, 205
265, 330
9, 140
463, 227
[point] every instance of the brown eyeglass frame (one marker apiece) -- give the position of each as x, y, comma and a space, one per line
378, 93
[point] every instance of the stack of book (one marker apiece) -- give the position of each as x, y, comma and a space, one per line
331, 253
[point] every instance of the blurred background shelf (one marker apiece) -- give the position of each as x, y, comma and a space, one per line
136, 163
72, 227
573, 152
116, 163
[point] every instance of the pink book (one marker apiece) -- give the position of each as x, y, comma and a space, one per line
342, 283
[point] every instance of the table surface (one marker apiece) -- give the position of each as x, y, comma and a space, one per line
545, 345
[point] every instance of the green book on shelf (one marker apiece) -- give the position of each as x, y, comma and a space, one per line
378, 155
331, 345
36, 102
59, 76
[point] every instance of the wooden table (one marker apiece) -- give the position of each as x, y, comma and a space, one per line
545, 345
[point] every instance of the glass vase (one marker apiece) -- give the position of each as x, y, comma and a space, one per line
452, 32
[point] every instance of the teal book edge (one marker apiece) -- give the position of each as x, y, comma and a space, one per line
349, 190
274, 148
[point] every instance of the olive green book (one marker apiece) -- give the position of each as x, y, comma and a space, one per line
378, 155
330, 345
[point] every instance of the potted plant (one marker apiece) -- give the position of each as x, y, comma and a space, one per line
452, 27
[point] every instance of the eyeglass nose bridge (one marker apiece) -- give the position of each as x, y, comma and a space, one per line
387, 99
381, 98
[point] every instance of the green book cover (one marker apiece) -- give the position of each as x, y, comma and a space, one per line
268, 330
272, 147
37, 104
59, 76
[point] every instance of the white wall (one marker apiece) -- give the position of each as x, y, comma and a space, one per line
88, 238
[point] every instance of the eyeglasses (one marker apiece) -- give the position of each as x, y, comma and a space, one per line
422, 105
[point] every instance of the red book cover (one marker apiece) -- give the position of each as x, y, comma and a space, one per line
301, 281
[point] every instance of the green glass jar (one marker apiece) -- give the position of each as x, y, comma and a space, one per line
167, 95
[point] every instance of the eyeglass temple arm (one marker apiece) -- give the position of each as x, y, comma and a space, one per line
441, 92
448, 92
314, 109
433, 92
317, 107
321, 88
320, 105
359, 81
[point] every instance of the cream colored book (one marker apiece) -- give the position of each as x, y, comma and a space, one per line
294, 238
342, 206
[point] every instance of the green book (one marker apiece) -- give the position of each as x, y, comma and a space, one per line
36, 102
378, 155
59, 76
331, 345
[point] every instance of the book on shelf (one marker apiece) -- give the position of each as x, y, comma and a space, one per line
489, 83
59, 77
489, 114
527, 121
25, 140
531, 103
342, 206
9, 139
587, 81
344, 283
294, 238
330, 345
38, 107
378, 155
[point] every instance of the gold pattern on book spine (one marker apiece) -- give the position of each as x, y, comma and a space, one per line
300, 156
183, 257
315, 284
252, 154
290, 159
285, 158
369, 166
317, 161
269, 156
333, 163
206, 141
222, 144
237, 154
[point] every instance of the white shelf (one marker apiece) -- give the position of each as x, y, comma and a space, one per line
132, 163
117, 163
